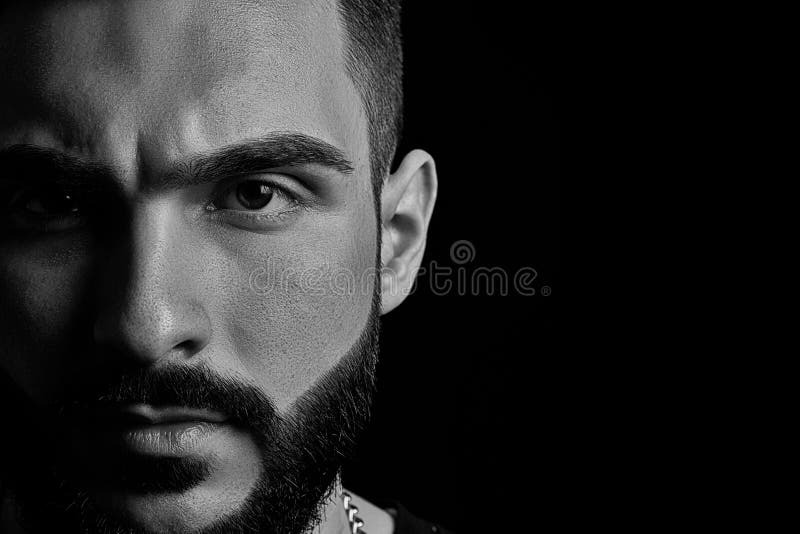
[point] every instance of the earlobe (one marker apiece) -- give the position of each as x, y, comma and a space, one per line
407, 204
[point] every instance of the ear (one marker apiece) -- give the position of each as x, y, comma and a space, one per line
406, 206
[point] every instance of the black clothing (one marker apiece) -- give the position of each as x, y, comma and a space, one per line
407, 523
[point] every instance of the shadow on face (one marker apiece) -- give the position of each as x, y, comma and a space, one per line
186, 185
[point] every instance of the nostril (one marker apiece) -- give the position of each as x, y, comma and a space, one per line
189, 347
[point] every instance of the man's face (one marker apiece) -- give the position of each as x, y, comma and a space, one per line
171, 201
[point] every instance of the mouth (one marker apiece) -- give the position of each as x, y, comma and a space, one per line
143, 449
151, 430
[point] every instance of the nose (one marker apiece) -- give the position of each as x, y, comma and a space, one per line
149, 307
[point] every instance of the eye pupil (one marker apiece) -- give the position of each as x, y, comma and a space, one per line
253, 195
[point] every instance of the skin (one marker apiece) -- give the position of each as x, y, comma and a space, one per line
144, 87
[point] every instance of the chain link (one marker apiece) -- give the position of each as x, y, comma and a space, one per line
356, 523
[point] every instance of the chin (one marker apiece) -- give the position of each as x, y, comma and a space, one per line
190, 511
230, 478
193, 510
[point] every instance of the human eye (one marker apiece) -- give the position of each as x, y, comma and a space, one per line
254, 200
45, 208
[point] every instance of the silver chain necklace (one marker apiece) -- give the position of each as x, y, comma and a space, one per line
356, 523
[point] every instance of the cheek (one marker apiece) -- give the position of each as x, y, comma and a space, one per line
41, 301
301, 304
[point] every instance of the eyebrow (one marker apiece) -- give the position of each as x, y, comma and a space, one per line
274, 150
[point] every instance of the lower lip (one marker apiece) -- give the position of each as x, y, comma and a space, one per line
168, 439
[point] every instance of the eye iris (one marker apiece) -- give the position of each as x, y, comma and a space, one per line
253, 195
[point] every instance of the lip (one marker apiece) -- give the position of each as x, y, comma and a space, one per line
168, 438
154, 430
157, 415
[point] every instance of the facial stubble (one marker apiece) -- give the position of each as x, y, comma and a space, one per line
301, 451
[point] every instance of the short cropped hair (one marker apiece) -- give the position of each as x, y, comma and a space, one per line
374, 61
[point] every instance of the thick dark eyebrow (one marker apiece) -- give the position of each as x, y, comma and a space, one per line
275, 150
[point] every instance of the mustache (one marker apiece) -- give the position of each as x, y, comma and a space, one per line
181, 386
302, 450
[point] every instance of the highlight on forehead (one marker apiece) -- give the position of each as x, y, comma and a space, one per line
149, 35
363, 36
83, 72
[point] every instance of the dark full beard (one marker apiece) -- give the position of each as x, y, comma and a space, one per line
301, 451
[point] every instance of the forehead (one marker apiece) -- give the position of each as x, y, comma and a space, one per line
110, 77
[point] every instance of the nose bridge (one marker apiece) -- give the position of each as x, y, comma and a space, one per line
149, 308
154, 264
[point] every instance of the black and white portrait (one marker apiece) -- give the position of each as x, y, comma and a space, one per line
282, 267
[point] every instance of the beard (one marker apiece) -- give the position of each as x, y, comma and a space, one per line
301, 452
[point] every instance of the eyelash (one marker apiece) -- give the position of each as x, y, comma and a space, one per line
253, 216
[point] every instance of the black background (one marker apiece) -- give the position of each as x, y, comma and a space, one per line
468, 428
